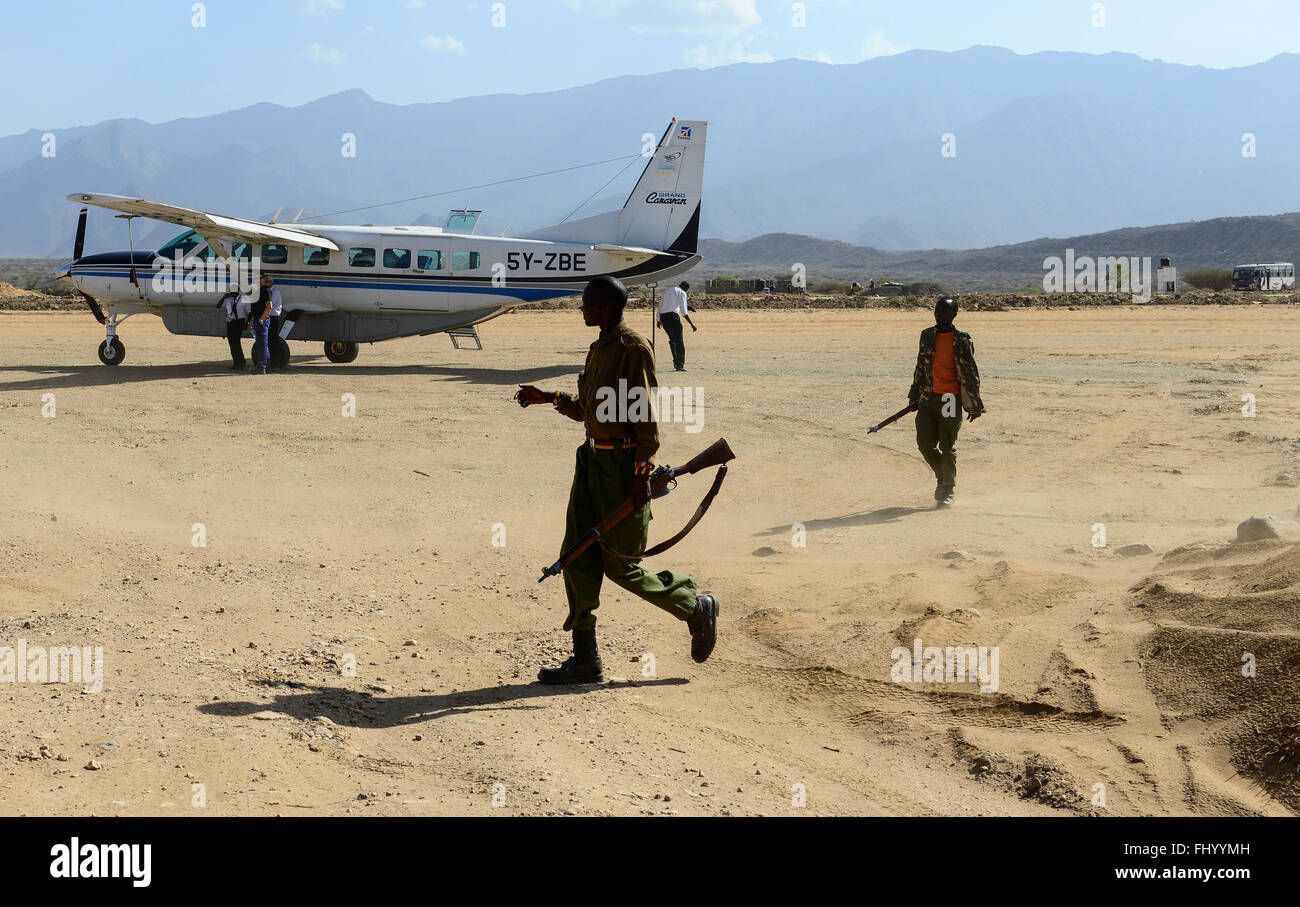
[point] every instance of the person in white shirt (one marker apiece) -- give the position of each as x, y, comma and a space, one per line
236, 307
672, 309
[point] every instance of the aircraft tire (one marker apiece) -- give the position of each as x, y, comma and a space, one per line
279, 353
340, 351
112, 354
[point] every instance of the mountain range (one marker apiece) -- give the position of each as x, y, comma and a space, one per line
1046, 144
1220, 244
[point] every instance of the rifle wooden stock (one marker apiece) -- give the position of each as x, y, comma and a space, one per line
717, 454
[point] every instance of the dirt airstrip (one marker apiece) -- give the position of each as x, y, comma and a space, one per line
307, 612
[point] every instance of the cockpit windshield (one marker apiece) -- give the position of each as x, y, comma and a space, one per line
182, 245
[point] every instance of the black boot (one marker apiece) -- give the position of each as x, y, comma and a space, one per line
583, 667
703, 624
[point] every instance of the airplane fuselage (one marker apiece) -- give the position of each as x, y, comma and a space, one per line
377, 269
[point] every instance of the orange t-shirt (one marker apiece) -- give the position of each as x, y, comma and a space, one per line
943, 371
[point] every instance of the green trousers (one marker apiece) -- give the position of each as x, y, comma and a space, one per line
600, 482
936, 436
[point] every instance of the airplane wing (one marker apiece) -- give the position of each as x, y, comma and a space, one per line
209, 226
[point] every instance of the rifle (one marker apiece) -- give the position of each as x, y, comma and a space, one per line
911, 407
662, 481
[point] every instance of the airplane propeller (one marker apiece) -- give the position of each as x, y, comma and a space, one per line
79, 245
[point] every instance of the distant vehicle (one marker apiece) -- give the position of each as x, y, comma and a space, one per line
1279, 276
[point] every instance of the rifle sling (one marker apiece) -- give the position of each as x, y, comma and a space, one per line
668, 543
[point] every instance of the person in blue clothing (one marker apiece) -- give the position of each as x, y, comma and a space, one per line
261, 331
277, 312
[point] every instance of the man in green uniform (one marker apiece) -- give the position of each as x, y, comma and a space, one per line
613, 465
945, 375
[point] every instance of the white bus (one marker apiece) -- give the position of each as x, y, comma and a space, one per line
1278, 276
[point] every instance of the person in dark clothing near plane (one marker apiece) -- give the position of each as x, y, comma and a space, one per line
277, 313
261, 331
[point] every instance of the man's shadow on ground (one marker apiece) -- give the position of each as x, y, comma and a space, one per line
351, 708
874, 518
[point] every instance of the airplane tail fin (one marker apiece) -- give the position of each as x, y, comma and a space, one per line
663, 211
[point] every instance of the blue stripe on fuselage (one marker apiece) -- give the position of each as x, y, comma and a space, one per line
528, 293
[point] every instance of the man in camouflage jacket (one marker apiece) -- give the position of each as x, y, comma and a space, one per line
945, 376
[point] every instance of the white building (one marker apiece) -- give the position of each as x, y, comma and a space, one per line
1166, 278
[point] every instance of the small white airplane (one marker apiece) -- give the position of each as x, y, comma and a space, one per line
345, 285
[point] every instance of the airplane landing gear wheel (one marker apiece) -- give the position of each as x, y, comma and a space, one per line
112, 352
340, 351
279, 353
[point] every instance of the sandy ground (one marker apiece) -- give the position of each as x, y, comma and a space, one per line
332, 541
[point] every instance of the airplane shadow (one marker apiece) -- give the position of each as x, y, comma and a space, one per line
874, 518
103, 375
493, 376
350, 708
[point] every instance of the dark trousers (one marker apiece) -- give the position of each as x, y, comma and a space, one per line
672, 323
600, 482
234, 333
277, 322
936, 437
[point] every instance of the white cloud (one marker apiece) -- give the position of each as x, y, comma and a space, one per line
820, 57
704, 56
416, 4
442, 45
703, 17
878, 44
319, 7
323, 54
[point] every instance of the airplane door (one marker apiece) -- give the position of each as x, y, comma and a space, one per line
416, 284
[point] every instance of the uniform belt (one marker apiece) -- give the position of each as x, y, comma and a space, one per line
611, 444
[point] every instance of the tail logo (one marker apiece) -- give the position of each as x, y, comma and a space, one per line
666, 198
684, 132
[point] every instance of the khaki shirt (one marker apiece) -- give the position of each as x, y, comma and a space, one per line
615, 391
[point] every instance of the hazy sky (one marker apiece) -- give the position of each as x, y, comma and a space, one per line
76, 63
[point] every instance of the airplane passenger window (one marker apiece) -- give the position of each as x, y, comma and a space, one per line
361, 258
314, 255
464, 261
429, 260
274, 254
243, 251
397, 258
